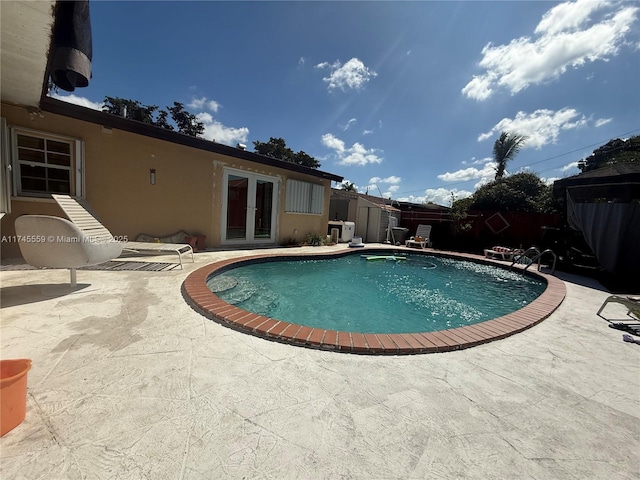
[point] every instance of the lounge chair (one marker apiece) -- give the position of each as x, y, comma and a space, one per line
54, 242
81, 217
502, 253
421, 238
632, 304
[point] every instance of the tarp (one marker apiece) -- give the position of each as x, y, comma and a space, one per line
612, 231
72, 44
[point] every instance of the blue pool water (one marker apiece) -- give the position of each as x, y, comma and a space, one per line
419, 294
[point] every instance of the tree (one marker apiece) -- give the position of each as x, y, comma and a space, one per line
521, 192
301, 158
131, 109
505, 149
161, 121
614, 151
348, 187
186, 122
277, 148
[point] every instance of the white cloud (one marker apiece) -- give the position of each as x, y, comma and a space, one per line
569, 166
567, 16
357, 154
439, 196
541, 127
480, 87
566, 39
302, 61
352, 75
76, 100
486, 173
374, 189
203, 103
346, 126
216, 131
392, 180
602, 121
442, 196
334, 143
412, 199
476, 161
367, 132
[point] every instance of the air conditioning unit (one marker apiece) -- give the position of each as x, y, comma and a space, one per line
348, 231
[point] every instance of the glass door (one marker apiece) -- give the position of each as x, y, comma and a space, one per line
237, 194
262, 226
248, 208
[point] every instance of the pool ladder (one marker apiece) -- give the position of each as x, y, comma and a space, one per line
538, 256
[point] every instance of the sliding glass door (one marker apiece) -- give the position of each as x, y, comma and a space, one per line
249, 213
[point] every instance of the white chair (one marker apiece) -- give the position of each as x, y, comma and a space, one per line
421, 238
502, 253
84, 219
54, 242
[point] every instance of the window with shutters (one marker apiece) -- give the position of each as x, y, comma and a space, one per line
304, 197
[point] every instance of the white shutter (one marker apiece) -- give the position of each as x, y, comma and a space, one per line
317, 199
304, 197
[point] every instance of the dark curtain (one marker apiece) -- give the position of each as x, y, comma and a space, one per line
612, 231
72, 47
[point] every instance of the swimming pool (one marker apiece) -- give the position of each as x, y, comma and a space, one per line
377, 294
199, 296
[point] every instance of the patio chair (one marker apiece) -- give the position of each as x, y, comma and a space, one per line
421, 238
81, 217
632, 304
54, 242
502, 253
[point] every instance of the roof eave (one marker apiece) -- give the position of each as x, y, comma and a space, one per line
78, 112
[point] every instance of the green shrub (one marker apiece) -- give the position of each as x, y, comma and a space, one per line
315, 239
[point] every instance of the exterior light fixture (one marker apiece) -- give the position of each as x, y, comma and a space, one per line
152, 176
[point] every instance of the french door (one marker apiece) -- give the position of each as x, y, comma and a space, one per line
248, 208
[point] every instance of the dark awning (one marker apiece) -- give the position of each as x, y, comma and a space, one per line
72, 47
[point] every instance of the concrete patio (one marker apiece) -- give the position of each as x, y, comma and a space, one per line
129, 382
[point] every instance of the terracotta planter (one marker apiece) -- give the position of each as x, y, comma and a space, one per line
200, 239
191, 240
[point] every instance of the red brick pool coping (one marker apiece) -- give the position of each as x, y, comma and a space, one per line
198, 295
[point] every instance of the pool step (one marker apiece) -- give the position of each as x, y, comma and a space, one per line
245, 294
221, 283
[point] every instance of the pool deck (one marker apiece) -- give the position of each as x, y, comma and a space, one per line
130, 382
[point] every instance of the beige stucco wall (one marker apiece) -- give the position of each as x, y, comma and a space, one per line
187, 194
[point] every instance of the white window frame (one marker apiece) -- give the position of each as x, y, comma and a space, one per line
76, 168
5, 165
250, 232
304, 197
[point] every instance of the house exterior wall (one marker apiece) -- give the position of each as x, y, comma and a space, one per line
187, 194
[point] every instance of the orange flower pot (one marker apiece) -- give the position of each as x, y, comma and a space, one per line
13, 393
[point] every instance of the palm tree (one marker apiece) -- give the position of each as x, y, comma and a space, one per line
505, 148
349, 187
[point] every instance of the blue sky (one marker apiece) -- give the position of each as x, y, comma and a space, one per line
401, 98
